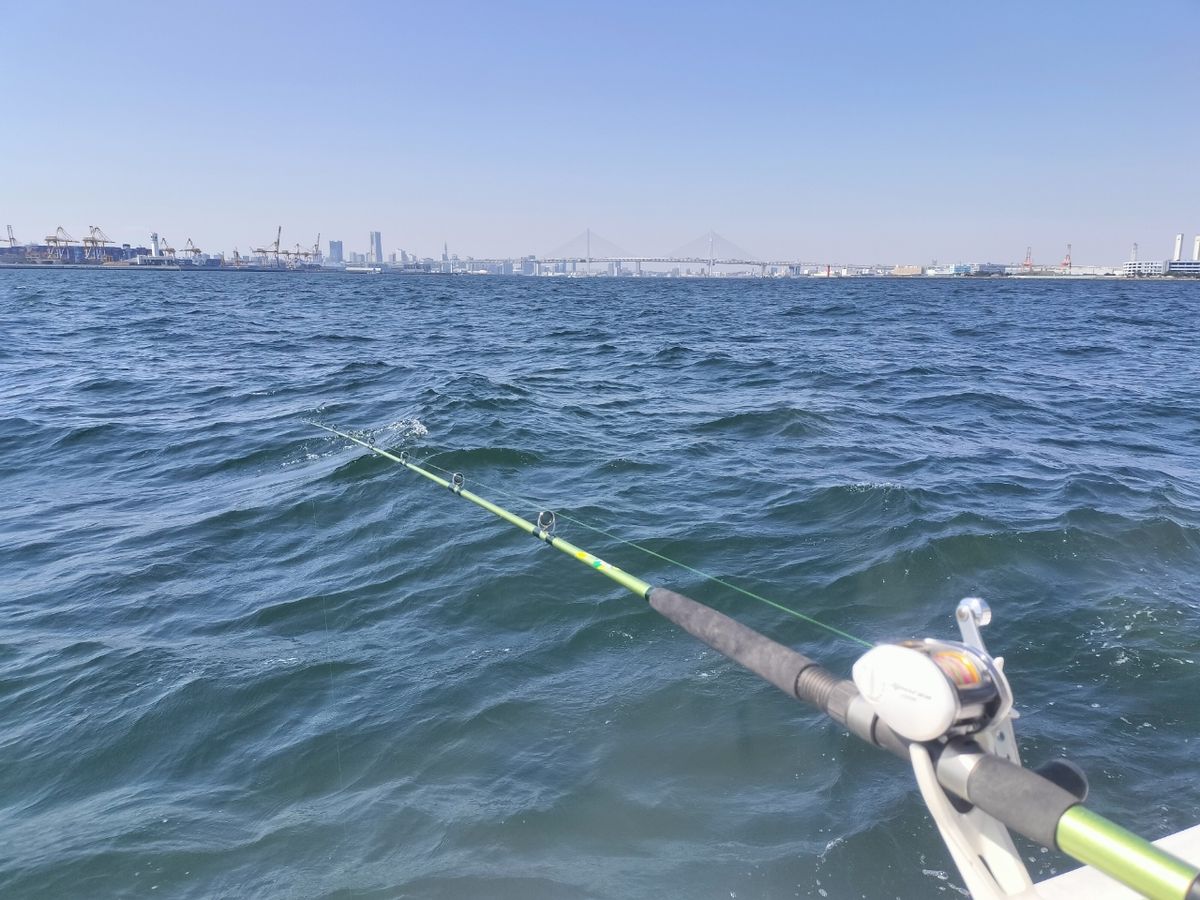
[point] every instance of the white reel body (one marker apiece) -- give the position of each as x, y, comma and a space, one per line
927, 689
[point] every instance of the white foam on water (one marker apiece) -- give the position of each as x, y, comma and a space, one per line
408, 428
862, 486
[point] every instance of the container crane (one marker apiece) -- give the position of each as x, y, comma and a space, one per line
166, 249
94, 243
58, 243
191, 248
273, 250
12, 241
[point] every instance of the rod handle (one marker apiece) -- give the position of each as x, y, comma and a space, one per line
793, 673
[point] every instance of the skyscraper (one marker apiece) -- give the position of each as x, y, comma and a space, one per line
335, 251
376, 255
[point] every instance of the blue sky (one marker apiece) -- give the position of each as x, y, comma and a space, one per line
854, 132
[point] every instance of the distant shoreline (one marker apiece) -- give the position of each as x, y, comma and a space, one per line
261, 270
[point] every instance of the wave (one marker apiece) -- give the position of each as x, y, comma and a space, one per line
787, 421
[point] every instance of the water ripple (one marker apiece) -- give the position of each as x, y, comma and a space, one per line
243, 658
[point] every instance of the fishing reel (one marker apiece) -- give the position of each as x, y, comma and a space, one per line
928, 689
952, 701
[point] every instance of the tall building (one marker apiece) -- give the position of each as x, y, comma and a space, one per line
376, 254
335, 251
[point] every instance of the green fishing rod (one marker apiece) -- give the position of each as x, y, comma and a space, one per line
542, 530
943, 706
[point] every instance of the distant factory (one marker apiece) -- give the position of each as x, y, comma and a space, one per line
1176, 266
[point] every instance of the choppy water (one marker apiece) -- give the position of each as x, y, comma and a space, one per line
241, 658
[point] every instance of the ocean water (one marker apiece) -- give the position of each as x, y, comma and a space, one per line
242, 658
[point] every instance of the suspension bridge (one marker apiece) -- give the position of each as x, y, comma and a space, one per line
588, 249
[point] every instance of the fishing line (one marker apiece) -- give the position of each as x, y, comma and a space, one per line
922, 706
682, 565
608, 534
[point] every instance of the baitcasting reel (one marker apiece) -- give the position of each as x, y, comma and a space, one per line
929, 689
954, 703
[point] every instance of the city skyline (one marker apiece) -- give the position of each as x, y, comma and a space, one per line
601, 249
873, 134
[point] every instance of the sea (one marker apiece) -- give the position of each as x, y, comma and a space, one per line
242, 657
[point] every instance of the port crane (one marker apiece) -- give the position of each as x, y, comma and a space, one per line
191, 248
166, 249
273, 250
12, 240
304, 254
94, 243
297, 255
58, 243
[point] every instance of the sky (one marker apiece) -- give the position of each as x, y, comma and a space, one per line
852, 132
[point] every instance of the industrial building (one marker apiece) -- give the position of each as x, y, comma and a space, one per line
1176, 266
1141, 268
988, 269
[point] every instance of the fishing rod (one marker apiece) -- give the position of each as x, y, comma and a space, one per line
945, 707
